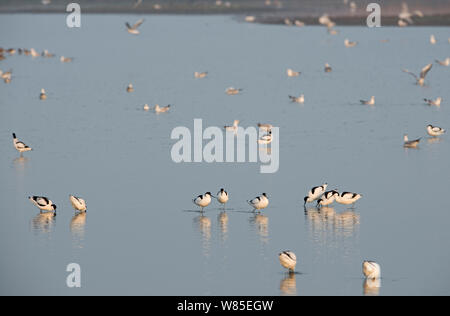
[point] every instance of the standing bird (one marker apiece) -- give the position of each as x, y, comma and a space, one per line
133, 29
434, 130
421, 79
370, 102
288, 260
347, 198
327, 68
146, 107
371, 270
259, 202
43, 203
78, 203
42, 95
200, 74
327, 198
203, 200
130, 88
300, 99
222, 197
410, 143
315, 193
292, 73
162, 109
436, 102
20, 146
432, 39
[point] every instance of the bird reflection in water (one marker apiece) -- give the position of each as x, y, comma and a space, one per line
371, 287
44, 223
223, 225
433, 140
261, 224
77, 228
288, 285
204, 225
329, 228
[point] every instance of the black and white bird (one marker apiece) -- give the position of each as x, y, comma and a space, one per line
78, 203
368, 102
43, 203
327, 198
349, 43
327, 68
436, 102
347, 198
259, 202
133, 29
315, 193
203, 200
420, 80
435, 130
292, 73
410, 143
42, 95
222, 196
288, 260
162, 109
200, 74
265, 139
20, 146
371, 270
300, 99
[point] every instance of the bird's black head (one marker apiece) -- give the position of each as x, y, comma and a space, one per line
264, 194
54, 207
208, 193
221, 190
14, 135
304, 199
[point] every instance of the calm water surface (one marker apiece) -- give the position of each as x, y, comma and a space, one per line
141, 234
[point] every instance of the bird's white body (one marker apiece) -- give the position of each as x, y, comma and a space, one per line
446, 62
232, 91
315, 193
420, 80
371, 270
20, 146
327, 198
43, 95
43, 203
432, 39
130, 88
78, 203
436, 102
65, 59
300, 99
203, 200
161, 109
288, 260
349, 43
292, 73
222, 196
146, 107
435, 131
347, 198
410, 143
265, 139
200, 74
133, 29
259, 202
370, 102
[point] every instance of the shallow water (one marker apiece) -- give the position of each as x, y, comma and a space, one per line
143, 235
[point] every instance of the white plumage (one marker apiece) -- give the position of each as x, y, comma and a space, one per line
259, 202
435, 130
347, 198
20, 146
203, 200
43, 203
371, 270
288, 260
78, 203
315, 193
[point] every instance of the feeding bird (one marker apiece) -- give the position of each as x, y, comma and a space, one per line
347, 198
162, 109
20, 146
314, 194
436, 102
288, 260
43, 203
327, 198
78, 203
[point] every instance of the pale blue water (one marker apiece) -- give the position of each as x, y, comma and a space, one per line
92, 139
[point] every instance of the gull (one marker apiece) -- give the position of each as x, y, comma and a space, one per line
222, 196
78, 203
432, 39
162, 109
288, 260
65, 59
325, 20
299, 23
42, 95
327, 198
34, 53
315, 193
287, 21
402, 23
232, 91
421, 79
259, 202
350, 43
300, 99
327, 68
265, 127
232, 128
20, 146
292, 73
446, 62
130, 88
436, 102
410, 143
249, 18
137, 3
203, 200
435, 130
200, 74
265, 139
133, 29
347, 198
43, 203
370, 102
146, 107
371, 270
6, 75
45, 53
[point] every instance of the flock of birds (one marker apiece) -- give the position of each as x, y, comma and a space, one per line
318, 194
